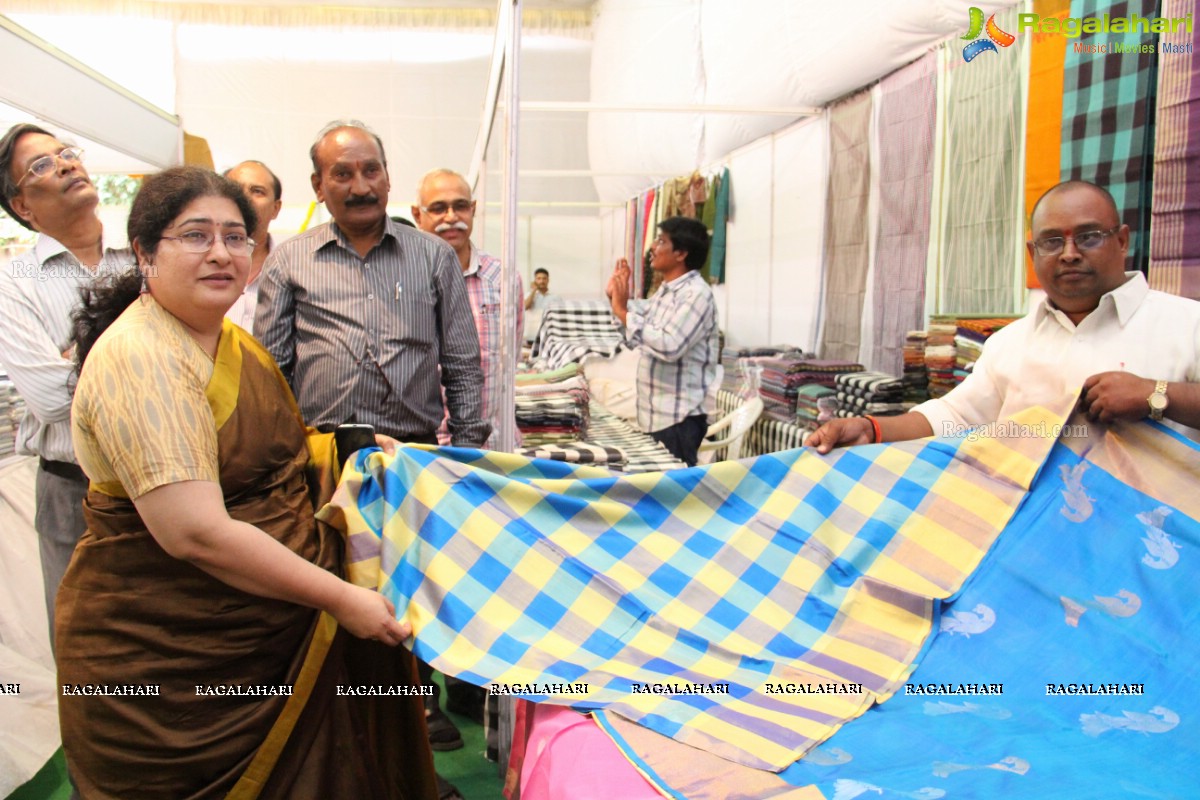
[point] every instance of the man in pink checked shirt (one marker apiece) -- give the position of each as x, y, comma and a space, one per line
445, 209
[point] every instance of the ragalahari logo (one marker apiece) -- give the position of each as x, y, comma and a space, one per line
995, 36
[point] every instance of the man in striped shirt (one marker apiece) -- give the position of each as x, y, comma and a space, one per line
676, 335
445, 209
45, 188
360, 313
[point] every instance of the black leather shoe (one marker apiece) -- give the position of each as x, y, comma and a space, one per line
443, 734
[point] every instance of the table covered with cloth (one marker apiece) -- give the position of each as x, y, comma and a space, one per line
813, 587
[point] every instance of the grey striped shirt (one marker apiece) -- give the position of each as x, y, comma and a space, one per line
38, 292
362, 339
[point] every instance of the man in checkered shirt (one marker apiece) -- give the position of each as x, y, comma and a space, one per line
676, 335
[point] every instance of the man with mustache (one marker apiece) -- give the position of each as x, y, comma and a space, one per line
445, 209
45, 188
363, 314
1134, 351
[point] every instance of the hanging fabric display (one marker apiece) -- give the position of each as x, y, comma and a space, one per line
907, 126
715, 218
984, 123
1043, 130
1108, 119
846, 257
1175, 234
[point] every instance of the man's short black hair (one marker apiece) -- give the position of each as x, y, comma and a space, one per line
274, 178
689, 235
8, 147
542, 271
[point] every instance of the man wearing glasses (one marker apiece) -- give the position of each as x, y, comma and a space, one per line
1134, 351
360, 313
45, 188
446, 210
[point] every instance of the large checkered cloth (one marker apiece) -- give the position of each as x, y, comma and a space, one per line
791, 567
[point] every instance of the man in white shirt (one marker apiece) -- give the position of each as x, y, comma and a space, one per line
264, 191
1134, 352
44, 186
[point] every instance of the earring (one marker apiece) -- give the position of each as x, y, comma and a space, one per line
145, 286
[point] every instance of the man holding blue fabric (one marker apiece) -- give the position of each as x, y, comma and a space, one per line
1134, 351
676, 335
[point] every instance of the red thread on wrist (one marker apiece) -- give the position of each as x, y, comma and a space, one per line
875, 426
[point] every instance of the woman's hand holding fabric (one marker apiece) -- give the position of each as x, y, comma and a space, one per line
369, 615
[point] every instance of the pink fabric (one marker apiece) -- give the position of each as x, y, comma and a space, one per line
567, 755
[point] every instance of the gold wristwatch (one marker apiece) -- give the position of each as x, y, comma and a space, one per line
1158, 401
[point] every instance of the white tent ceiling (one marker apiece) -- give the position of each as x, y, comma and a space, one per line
418, 75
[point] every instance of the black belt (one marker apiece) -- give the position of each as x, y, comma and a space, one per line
63, 469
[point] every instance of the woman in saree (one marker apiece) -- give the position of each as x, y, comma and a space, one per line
203, 573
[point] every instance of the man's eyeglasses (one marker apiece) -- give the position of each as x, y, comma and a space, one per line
1088, 240
202, 242
41, 167
439, 209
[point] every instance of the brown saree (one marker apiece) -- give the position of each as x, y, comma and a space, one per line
129, 613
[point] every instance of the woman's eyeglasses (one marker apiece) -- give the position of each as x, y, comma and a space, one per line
202, 241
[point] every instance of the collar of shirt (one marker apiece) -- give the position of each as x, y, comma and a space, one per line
681, 282
333, 234
473, 263
1124, 301
47, 247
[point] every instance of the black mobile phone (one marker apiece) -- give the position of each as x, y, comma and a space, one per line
347, 439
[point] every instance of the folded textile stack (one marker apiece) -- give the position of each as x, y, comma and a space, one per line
815, 404
916, 375
550, 376
940, 355
551, 407
782, 378
12, 408
968, 341
874, 393
736, 359
579, 453
573, 329
552, 417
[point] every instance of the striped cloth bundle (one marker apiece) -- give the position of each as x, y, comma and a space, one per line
678, 599
572, 329
642, 453
872, 393
578, 453
783, 377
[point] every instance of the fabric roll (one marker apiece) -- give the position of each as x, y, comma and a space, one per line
1043, 129
985, 119
907, 119
846, 245
1108, 124
1175, 235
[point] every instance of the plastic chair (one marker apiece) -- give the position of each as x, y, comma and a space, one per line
738, 421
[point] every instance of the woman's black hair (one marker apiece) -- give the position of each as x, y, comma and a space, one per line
162, 198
